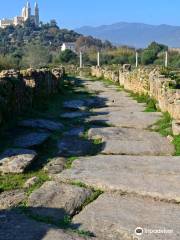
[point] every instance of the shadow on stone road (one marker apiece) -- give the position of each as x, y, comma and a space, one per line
16, 225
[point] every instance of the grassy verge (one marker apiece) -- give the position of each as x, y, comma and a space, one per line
142, 98
164, 127
151, 104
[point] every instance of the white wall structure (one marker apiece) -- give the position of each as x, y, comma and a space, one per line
70, 46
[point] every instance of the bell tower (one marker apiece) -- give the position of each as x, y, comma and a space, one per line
28, 11
36, 9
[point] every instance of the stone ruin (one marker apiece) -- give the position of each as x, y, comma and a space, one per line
147, 81
20, 89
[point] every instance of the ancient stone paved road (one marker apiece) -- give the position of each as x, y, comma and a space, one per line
135, 169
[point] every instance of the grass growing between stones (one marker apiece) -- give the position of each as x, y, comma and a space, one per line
50, 108
95, 192
164, 127
144, 98
177, 145
70, 161
16, 181
64, 224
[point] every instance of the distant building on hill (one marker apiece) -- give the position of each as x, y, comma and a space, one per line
25, 15
71, 46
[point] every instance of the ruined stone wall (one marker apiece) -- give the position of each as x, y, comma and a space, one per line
146, 81
19, 90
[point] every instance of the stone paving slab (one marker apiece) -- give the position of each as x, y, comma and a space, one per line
55, 166
139, 120
128, 141
72, 115
154, 176
16, 160
140, 148
115, 217
31, 139
76, 131
15, 226
127, 107
74, 104
73, 146
42, 123
57, 200
117, 133
11, 198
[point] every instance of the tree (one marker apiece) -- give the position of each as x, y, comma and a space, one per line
150, 54
68, 56
148, 57
36, 55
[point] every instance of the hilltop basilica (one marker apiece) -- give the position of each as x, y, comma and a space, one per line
26, 15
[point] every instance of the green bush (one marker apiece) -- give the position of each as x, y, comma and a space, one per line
68, 56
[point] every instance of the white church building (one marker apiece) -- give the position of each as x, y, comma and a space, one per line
25, 15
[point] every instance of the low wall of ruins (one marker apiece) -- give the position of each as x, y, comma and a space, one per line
19, 90
147, 81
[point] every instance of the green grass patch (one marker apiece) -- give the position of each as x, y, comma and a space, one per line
16, 181
177, 145
164, 125
69, 162
144, 98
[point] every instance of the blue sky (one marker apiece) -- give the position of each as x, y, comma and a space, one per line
76, 13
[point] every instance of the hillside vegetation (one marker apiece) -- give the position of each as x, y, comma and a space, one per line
31, 46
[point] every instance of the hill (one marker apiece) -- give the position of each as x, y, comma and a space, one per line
135, 34
24, 46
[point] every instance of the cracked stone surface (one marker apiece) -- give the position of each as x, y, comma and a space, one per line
31, 139
57, 200
16, 226
155, 176
42, 123
16, 160
12, 198
55, 166
116, 217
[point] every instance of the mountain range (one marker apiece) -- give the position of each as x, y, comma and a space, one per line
137, 35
